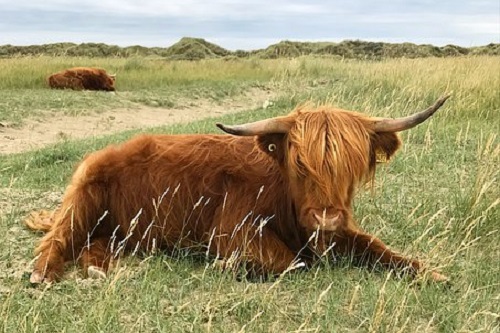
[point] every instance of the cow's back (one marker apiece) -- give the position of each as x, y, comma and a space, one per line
175, 184
80, 78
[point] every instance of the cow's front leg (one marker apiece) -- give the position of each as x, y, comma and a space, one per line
96, 257
369, 249
260, 250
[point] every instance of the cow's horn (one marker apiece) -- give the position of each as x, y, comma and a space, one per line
401, 124
266, 126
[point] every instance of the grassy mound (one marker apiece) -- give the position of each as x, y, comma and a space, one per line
195, 49
286, 49
188, 48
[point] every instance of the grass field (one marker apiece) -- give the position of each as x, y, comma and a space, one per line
437, 200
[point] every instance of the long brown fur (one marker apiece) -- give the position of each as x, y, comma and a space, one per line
82, 78
331, 148
229, 196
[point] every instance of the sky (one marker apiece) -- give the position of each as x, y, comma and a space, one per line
249, 24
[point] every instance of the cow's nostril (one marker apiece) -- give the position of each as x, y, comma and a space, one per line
328, 222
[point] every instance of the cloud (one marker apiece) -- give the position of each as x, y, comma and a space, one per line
185, 8
250, 23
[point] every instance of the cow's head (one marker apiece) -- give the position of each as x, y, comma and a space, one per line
110, 82
325, 153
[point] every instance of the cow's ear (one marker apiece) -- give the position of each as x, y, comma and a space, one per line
273, 145
383, 146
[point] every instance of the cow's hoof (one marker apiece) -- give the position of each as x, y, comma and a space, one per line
38, 278
94, 272
220, 264
437, 277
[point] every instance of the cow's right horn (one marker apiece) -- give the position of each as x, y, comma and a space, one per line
404, 123
266, 126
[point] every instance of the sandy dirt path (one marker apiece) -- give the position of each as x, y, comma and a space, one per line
37, 134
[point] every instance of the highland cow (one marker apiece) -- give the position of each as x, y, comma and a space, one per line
82, 78
275, 194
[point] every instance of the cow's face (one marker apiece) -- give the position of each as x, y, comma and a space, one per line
324, 156
325, 153
110, 82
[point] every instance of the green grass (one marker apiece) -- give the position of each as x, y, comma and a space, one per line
437, 200
140, 81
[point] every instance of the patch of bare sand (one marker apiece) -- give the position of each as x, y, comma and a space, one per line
34, 135
24, 201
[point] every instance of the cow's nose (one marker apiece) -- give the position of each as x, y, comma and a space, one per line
327, 219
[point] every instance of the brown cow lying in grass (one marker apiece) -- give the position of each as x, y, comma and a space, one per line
275, 193
82, 78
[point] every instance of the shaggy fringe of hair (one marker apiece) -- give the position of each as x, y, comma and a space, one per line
331, 146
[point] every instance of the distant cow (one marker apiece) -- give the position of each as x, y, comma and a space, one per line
82, 78
276, 194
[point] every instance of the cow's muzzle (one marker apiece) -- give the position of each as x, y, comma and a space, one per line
328, 219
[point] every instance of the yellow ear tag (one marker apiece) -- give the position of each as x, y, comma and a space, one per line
381, 156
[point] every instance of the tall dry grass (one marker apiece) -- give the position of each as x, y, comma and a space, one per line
437, 200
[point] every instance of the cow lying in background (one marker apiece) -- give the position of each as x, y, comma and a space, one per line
275, 193
82, 78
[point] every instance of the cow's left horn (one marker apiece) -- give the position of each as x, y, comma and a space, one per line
401, 124
266, 126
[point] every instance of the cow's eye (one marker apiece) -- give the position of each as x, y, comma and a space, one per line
271, 147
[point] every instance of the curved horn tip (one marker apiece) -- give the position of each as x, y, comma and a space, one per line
439, 103
225, 128
443, 98
221, 126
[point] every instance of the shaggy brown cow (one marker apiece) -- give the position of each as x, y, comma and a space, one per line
277, 193
82, 78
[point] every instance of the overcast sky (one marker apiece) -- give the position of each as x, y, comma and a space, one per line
249, 24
